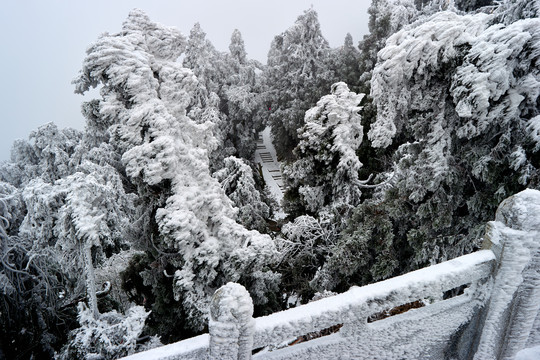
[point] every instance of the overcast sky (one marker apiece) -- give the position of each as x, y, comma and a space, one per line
43, 44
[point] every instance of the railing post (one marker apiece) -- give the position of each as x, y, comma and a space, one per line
231, 323
514, 237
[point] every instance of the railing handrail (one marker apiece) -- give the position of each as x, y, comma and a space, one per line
188, 347
430, 281
366, 300
495, 319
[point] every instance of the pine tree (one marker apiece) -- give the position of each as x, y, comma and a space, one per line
385, 18
324, 176
238, 182
244, 103
461, 104
228, 88
205, 61
297, 75
345, 62
188, 225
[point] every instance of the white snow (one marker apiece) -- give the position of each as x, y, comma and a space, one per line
414, 334
194, 348
427, 282
515, 300
426, 332
529, 354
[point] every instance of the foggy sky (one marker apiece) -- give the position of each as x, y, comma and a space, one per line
43, 45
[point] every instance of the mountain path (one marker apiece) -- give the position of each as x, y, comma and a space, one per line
265, 155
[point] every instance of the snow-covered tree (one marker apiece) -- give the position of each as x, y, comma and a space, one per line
244, 107
96, 145
297, 75
91, 222
15, 208
31, 319
365, 251
345, 62
110, 336
304, 247
42, 201
385, 18
462, 106
238, 182
46, 154
229, 78
324, 176
205, 61
509, 11
471, 5
237, 49
189, 228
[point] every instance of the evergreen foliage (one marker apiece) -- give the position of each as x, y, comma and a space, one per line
189, 224
324, 176
345, 62
467, 132
237, 180
159, 196
33, 323
245, 107
297, 75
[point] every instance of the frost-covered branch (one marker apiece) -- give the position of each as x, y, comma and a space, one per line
364, 183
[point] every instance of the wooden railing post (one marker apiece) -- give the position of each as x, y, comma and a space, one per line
231, 323
514, 237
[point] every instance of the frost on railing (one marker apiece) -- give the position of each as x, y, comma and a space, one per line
493, 318
414, 334
231, 323
512, 319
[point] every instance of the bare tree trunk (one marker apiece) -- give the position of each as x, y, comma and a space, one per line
4, 224
90, 281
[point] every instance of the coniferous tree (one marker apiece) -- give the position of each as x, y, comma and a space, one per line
237, 180
205, 61
297, 75
345, 61
385, 18
324, 176
244, 102
464, 140
229, 89
188, 226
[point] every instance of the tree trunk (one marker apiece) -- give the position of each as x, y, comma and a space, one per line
90, 281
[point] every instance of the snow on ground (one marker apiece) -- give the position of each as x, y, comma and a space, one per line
271, 168
529, 354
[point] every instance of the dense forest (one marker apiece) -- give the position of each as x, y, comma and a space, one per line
394, 151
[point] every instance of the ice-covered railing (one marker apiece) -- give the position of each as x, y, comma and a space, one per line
493, 318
